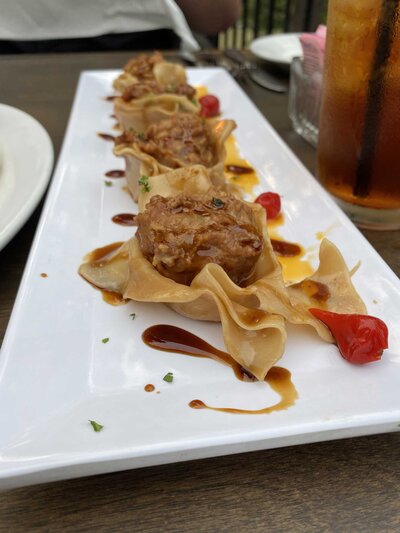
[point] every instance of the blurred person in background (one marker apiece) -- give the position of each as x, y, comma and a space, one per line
40, 26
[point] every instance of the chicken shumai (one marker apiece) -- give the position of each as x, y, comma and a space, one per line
181, 234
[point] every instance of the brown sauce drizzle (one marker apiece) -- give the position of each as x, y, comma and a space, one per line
110, 297
149, 387
106, 136
95, 256
43, 275
285, 249
315, 289
238, 169
103, 252
110, 98
172, 339
279, 380
125, 219
115, 173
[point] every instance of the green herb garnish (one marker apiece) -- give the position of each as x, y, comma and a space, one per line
108, 183
141, 136
144, 183
133, 316
169, 378
105, 340
218, 203
96, 426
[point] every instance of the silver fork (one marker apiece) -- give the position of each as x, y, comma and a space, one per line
206, 59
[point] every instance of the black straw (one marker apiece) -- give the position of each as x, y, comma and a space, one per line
385, 35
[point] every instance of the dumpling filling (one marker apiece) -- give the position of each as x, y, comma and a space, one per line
181, 140
151, 87
181, 234
142, 66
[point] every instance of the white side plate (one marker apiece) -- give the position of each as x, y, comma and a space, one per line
55, 372
280, 48
26, 160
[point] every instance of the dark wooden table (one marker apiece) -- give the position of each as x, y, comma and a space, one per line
348, 485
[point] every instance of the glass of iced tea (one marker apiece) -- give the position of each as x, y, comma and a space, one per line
359, 133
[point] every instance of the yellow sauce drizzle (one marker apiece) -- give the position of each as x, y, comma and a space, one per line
274, 224
201, 90
233, 157
293, 268
245, 181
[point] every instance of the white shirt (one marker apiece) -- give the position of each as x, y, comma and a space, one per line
62, 19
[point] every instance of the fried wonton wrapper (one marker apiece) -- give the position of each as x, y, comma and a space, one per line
138, 163
149, 66
254, 338
141, 113
252, 317
190, 180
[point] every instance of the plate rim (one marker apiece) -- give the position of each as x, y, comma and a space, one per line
38, 186
58, 468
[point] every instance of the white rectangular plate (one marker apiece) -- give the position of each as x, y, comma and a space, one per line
55, 372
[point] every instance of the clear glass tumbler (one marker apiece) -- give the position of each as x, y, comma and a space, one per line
359, 131
304, 101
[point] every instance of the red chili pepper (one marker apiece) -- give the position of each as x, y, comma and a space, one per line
360, 338
271, 202
209, 106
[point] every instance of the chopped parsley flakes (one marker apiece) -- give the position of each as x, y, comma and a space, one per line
96, 426
141, 136
108, 183
217, 202
144, 183
169, 378
133, 316
105, 340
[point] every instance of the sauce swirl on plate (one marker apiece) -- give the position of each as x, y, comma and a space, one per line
173, 339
